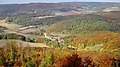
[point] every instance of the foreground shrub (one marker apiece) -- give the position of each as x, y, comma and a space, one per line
75, 60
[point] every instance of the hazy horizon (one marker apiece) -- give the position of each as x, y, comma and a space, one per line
49, 1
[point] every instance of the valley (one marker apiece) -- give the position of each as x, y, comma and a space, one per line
66, 34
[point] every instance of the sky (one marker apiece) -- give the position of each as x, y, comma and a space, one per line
51, 1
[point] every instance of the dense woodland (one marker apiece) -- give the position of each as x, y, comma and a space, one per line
109, 55
88, 23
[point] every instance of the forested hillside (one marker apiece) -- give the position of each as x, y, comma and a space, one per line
28, 20
104, 21
88, 23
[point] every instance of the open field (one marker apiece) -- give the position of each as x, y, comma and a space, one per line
42, 17
9, 26
29, 30
68, 13
14, 27
23, 43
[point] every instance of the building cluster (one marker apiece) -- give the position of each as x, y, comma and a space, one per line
54, 38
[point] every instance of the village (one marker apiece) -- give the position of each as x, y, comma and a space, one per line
46, 34
54, 38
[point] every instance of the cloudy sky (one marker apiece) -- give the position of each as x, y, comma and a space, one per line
50, 1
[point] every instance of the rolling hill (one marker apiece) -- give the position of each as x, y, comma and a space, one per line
52, 8
88, 23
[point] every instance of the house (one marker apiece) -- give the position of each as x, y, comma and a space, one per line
47, 35
60, 40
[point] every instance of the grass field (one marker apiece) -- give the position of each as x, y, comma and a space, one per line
29, 30
9, 26
23, 43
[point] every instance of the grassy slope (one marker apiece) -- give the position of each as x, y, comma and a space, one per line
25, 44
9, 26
